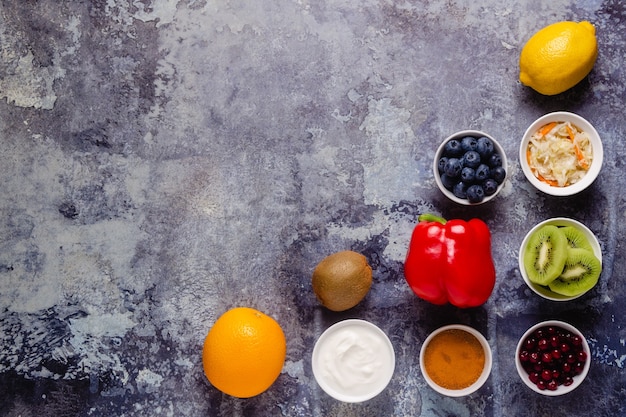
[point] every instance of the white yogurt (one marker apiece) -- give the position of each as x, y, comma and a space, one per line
353, 360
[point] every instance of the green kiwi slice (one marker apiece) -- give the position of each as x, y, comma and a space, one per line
545, 254
581, 272
576, 238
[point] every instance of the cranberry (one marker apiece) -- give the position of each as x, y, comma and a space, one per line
546, 375
578, 368
553, 385
533, 357
582, 356
546, 357
577, 340
543, 344
554, 341
564, 347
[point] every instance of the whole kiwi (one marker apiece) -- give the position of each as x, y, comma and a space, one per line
341, 280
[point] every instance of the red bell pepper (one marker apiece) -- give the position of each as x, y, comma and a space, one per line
450, 261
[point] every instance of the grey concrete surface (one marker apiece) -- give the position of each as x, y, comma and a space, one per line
164, 161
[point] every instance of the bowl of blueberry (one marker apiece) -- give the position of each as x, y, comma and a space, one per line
552, 358
470, 167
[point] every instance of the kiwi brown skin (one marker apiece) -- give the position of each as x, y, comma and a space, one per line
580, 274
576, 238
545, 254
341, 280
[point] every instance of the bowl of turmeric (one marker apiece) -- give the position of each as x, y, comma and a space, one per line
455, 360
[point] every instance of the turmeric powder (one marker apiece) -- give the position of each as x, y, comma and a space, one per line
454, 359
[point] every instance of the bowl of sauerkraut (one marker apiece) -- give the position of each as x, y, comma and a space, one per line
561, 153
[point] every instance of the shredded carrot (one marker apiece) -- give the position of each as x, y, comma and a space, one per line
528, 156
570, 133
581, 158
541, 178
544, 130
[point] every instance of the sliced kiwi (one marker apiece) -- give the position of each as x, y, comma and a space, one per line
581, 272
576, 238
545, 254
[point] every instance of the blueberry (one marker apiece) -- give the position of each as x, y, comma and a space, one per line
460, 190
484, 147
453, 167
448, 182
482, 172
452, 149
471, 159
442, 163
469, 143
468, 175
475, 193
495, 160
490, 186
498, 174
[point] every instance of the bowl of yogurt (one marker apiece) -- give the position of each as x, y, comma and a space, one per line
353, 361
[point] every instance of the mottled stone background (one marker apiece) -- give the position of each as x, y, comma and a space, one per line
164, 161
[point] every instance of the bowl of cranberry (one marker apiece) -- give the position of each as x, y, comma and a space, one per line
552, 358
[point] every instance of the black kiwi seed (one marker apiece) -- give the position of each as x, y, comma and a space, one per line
576, 238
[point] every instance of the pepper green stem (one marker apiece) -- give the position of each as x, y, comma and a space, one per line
429, 217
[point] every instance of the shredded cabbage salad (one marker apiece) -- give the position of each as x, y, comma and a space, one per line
559, 154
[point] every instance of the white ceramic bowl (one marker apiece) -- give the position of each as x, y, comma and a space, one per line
459, 135
596, 143
481, 379
353, 361
545, 292
562, 389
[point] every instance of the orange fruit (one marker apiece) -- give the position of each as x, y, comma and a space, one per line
341, 280
244, 352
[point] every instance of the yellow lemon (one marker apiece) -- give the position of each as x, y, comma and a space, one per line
558, 57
